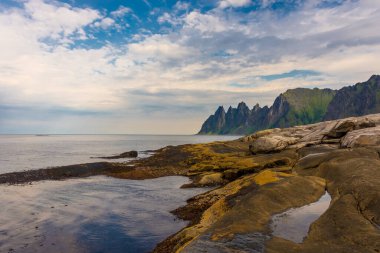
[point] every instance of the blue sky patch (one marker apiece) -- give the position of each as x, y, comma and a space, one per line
292, 74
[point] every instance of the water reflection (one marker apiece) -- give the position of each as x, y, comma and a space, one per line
294, 224
97, 214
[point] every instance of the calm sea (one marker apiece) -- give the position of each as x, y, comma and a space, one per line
95, 214
25, 152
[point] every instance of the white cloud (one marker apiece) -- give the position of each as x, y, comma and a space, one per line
205, 22
158, 48
121, 11
233, 3
105, 23
55, 20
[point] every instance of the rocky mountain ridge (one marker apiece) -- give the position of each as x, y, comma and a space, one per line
297, 107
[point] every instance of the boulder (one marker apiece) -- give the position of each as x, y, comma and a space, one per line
364, 123
361, 138
347, 125
315, 133
268, 144
341, 128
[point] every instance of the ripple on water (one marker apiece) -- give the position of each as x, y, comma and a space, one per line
96, 214
294, 223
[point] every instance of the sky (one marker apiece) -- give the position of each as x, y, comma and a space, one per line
163, 66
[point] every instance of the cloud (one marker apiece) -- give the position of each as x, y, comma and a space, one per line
205, 23
203, 58
121, 11
158, 48
57, 21
233, 3
105, 23
166, 17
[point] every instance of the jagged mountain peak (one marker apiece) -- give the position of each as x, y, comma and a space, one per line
299, 106
220, 110
374, 78
256, 106
242, 105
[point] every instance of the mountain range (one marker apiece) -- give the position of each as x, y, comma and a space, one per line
297, 107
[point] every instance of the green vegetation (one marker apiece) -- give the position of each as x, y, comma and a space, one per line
306, 106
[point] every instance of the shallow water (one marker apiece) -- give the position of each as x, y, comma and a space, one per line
25, 152
96, 214
294, 224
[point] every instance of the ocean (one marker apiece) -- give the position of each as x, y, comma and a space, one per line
95, 214
26, 152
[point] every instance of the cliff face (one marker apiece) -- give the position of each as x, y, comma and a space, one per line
294, 107
360, 99
215, 123
298, 107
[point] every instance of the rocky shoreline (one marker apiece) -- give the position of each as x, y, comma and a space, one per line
261, 175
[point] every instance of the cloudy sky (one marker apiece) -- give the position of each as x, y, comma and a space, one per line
162, 66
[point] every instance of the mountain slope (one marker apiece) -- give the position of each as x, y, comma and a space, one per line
360, 99
298, 107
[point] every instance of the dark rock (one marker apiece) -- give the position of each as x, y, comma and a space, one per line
62, 172
129, 154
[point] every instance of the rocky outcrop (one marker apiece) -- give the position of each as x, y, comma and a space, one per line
274, 143
129, 154
340, 156
298, 106
362, 138
330, 132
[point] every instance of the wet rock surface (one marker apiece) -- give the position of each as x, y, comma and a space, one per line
239, 221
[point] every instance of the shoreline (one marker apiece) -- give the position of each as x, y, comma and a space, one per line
259, 176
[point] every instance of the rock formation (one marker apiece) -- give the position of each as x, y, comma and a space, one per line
290, 168
298, 107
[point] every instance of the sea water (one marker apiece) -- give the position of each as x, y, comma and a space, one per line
95, 214
26, 152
